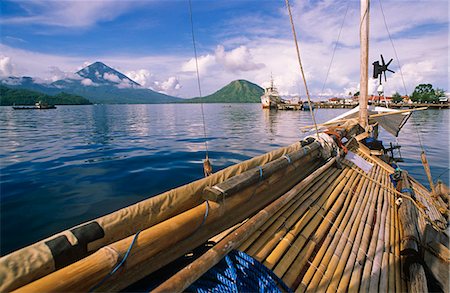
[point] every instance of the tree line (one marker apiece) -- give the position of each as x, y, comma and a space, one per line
9, 97
423, 93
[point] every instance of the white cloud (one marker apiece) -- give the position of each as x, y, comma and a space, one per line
171, 86
238, 59
6, 66
70, 14
87, 82
204, 63
256, 48
111, 77
141, 76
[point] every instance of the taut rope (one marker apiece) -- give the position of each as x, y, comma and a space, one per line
301, 68
207, 168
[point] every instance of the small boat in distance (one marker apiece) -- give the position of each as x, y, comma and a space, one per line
271, 98
38, 106
305, 106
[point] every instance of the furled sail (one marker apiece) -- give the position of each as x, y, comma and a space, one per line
392, 123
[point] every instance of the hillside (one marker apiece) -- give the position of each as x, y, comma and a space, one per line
238, 91
99, 83
10, 97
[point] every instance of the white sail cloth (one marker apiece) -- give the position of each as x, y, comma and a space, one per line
391, 123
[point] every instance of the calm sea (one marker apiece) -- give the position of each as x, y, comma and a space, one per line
62, 167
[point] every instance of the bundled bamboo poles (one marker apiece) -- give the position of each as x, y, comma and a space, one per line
166, 241
346, 240
188, 275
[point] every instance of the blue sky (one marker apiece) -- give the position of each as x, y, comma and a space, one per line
150, 41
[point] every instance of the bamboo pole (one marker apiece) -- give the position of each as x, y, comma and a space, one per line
272, 237
195, 270
294, 239
149, 265
410, 241
370, 259
287, 209
283, 221
319, 229
378, 279
350, 237
329, 262
426, 166
156, 238
361, 259
352, 249
370, 116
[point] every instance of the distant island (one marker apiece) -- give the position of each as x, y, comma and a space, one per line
102, 84
9, 97
238, 91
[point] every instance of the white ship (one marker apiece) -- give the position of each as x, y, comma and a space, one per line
271, 98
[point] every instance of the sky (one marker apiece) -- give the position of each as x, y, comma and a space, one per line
151, 42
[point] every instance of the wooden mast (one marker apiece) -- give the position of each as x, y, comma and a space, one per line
364, 60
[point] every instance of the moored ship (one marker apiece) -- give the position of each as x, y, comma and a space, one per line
271, 98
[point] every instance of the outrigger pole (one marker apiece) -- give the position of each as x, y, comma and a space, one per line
364, 60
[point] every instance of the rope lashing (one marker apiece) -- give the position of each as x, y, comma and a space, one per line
116, 268
339, 139
287, 158
260, 173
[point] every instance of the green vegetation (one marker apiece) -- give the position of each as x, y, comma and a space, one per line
10, 97
425, 93
397, 98
238, 91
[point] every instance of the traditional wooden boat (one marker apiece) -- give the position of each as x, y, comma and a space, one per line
38, 106
327, 213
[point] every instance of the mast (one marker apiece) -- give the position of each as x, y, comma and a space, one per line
364, 59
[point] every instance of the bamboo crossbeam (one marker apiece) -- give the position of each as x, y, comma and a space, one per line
370, 116
195, 270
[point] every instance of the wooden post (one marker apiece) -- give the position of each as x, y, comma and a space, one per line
409, 243
364, 59
423, 157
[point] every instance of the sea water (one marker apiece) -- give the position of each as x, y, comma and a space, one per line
62, 167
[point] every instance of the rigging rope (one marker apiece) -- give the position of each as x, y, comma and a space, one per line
416, 126
335, 47
207, 168
301, 68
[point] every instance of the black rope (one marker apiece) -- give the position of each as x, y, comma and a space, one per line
116, 268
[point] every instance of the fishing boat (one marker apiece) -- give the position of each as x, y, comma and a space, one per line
38, 106
271, 98
332, 212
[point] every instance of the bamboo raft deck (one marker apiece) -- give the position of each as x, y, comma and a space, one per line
340, 233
